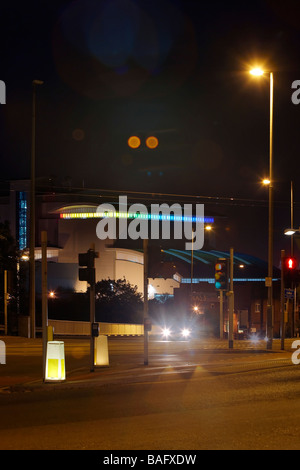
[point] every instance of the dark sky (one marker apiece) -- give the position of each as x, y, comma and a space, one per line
174, 69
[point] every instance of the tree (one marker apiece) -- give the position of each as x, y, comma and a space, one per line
118, 301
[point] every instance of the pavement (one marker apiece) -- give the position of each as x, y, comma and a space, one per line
22, 370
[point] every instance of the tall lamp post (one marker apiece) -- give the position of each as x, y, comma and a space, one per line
258, 72
32, 216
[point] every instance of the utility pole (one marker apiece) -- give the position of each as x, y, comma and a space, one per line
282, 323
32, 216
146, 319
221, 314
44, 299
5, 302
292, 254
92, 315
231, 303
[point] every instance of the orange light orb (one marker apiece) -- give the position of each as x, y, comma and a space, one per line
134, 142
152, 142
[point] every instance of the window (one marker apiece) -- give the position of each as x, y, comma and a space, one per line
22, 220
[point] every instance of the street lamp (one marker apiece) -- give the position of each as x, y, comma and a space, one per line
32, 216
291, 231
257, 72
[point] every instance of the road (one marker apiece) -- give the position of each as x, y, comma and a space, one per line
190, 396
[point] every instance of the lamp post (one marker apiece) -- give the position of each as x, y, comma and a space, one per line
32, 216
259, 72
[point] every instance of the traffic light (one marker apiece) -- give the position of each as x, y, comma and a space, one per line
88, 260
221, 274
290, 270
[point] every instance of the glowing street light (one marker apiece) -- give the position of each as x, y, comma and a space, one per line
258, 72
290, 231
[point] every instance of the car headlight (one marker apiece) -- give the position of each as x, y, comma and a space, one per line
185, 332
166, 332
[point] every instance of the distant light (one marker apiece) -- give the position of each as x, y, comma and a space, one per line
134, 142
266, 181
208, 227
37, 82
290, 231
166, 332
152, 142
185, 333
241, 266
52, 294
257, 72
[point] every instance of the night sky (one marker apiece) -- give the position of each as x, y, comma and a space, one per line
174, 69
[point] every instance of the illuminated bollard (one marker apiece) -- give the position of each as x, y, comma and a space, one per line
2, 353
55, 361
101, 351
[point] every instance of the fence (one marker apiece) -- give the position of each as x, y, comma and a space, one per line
81, 328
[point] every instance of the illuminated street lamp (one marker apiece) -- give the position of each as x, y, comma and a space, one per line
291, 231
258, 72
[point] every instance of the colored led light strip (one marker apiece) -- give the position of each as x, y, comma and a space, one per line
132, 215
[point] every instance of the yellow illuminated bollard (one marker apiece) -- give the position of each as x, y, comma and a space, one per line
55, 361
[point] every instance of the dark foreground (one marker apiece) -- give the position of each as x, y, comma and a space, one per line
195, 395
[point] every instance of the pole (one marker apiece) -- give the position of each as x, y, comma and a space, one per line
32, 215
292, 254
221, 314
145, 243
44, 299
282, 324
92, 320
192, 264
231, 303
32, 222
292, 218
270, 241
5, 302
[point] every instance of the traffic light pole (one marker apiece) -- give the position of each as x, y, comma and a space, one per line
221, 314
92, 320
231, 303
282, 324
88, 274
145, 243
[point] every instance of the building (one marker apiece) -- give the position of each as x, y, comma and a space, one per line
70, 219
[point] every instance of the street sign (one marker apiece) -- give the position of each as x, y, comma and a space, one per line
289, 293
268, 282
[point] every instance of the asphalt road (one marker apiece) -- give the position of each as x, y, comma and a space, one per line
195, 395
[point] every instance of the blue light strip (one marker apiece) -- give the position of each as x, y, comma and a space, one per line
211, 280
135, 215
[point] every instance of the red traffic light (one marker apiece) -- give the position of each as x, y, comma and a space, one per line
290, 263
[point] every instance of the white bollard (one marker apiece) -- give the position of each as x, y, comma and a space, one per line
55, 361
101, 351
